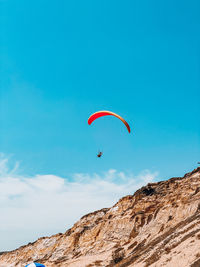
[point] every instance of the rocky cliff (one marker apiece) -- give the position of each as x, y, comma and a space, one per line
157, 226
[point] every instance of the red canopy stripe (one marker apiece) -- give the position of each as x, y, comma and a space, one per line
102, 113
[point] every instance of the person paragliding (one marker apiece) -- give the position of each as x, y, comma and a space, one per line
99, 154
103, 113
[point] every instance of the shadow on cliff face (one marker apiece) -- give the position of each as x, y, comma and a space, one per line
148, 191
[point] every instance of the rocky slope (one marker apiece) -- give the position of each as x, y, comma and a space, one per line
157, 226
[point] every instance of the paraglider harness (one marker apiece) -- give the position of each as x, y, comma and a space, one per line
99, 154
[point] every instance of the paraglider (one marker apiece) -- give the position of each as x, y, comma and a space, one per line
102, 113
99, 154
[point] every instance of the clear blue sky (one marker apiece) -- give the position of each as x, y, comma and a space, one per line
63, 60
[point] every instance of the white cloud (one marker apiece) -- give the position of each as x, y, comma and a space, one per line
31, 207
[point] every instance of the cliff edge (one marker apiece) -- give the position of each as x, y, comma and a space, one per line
159, 225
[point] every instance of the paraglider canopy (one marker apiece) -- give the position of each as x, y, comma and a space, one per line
35, 264
102, 113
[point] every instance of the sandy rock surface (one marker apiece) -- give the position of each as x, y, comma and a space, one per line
157, 226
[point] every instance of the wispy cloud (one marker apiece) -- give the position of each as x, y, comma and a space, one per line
46, 204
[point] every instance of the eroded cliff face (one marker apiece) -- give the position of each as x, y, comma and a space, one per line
157, 226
